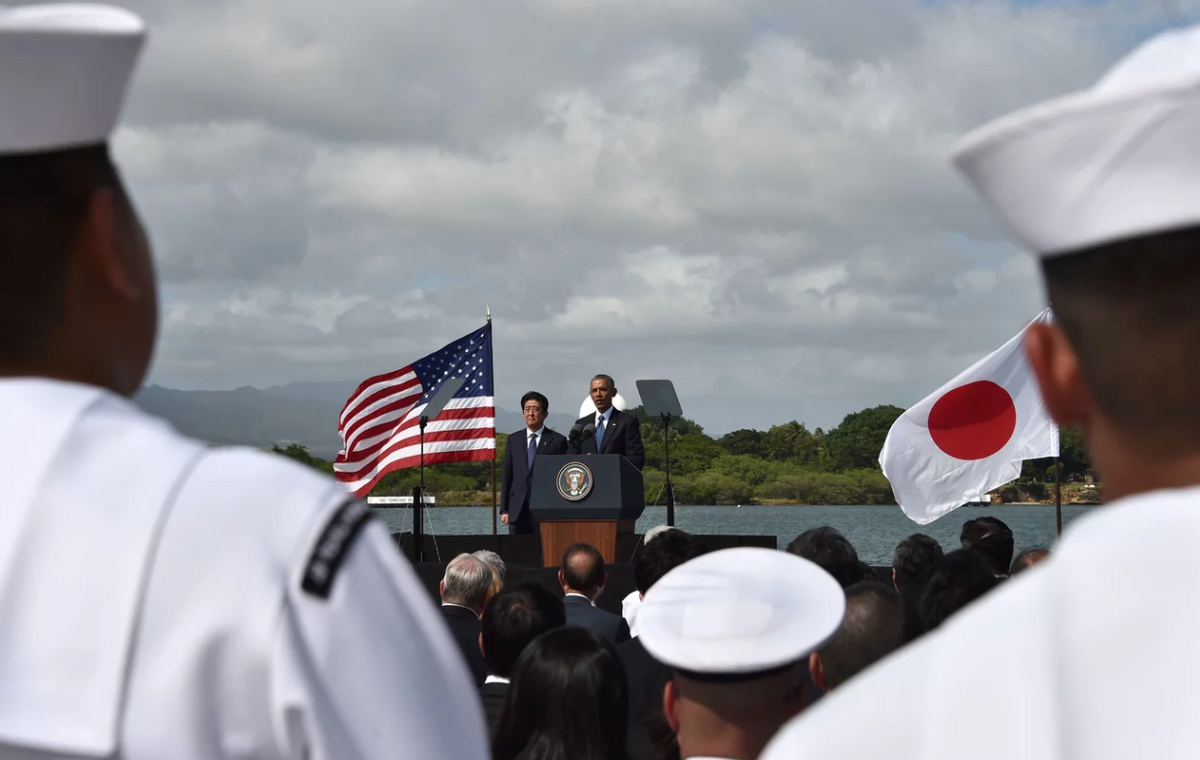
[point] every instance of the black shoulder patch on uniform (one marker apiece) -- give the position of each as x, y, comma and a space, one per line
333, 546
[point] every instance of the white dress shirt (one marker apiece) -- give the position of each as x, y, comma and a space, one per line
581, 596
629, 610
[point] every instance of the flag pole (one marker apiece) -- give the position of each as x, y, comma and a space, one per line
1057, 497
489, 319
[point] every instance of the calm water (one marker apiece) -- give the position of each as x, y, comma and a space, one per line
874, 530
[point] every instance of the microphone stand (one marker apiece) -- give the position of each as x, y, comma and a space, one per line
418, 494
667, 455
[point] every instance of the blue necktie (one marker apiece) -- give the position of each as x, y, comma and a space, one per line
532, 449
599, 434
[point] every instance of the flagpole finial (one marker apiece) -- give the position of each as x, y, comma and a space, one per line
489, 312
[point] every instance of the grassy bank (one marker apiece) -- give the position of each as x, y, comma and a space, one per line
785, 465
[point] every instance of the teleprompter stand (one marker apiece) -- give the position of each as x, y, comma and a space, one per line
660, 400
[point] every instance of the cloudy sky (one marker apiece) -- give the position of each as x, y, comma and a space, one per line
750, 197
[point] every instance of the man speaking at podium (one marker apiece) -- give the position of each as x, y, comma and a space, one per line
522, 449
609, 430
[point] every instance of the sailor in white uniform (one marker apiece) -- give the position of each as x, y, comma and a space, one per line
736, 628
1096, 652
159, 598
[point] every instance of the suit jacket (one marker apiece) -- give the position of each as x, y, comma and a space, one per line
580, 612
465, 626
622, 435
494, 696
514, 485
646, 677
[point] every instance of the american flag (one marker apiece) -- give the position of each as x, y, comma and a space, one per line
379, 424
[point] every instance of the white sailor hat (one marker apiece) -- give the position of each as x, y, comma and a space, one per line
1118, 160
738, 614
64, 70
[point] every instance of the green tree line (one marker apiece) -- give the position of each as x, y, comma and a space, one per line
786, 464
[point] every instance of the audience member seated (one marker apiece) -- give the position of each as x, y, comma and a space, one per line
866, 573
567, 701
956, 580
512, 619
646, 676
829, 549
464, 589
1028, 559
872, 628
912, 561
493, 559
737, 627
497, 580
633, 600
992, 539
499, 568
582, 579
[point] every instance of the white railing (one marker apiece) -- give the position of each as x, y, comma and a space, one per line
397, 501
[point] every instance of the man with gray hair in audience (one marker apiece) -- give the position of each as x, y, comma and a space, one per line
493, 559
464, 589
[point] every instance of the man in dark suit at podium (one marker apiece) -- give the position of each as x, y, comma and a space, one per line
616, 432
520, 455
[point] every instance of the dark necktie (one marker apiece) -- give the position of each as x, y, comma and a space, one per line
600, 434
532, 449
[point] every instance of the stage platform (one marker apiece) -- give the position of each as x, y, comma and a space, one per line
523, 557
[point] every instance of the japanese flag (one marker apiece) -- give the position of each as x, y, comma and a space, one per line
971, 436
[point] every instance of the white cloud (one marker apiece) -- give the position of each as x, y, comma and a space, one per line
751, 198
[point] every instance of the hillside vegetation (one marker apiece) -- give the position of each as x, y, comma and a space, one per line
787, 464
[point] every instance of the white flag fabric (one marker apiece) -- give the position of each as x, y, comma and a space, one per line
971, 436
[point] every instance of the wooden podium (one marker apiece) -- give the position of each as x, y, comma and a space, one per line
586, 498
557, 535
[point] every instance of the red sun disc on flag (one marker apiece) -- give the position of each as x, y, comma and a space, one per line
973, 421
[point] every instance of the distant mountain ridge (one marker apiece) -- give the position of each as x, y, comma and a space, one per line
304, 412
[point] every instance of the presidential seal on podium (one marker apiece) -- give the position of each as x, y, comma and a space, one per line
574, 481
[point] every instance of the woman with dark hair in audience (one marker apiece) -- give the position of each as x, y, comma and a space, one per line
567, 701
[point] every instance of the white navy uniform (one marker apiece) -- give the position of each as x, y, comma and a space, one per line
1092, 654
164, 599
735, 616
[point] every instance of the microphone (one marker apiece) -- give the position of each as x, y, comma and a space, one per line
576, 433
589, 431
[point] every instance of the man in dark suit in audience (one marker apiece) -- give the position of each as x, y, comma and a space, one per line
616, 432
520, 457
582, 579
645, 675
464, 589
515, 616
